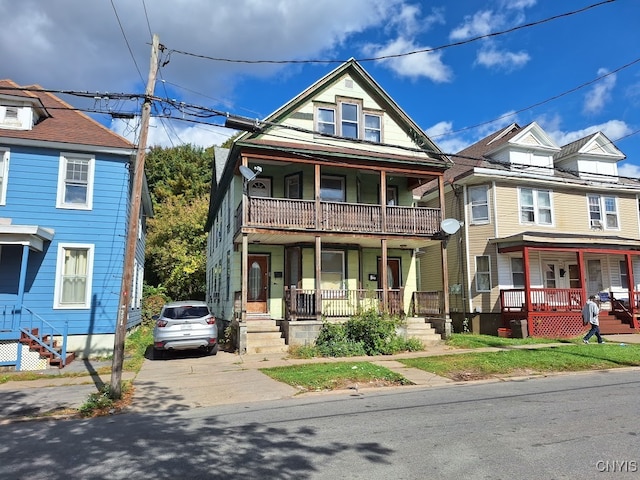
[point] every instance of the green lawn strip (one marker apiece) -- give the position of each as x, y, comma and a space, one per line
539, 360
334, 375
470, 340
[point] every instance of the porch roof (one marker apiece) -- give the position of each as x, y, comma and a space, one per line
564, 241
34, 236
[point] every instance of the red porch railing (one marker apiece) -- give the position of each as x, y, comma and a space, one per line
542, 300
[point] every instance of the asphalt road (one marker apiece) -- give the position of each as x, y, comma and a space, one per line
568, 426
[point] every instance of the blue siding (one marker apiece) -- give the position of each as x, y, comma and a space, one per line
31, 200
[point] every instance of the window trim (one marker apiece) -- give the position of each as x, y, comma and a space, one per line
327, 108
57, 290
343, 281
602, 222
4, 174
287, 193
62, 178
515, 272
366, 129
474, 220
535, 192
478, 273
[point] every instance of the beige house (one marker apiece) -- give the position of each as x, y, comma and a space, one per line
541, 228
310, 204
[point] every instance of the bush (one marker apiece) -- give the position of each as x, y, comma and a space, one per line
153, 298
367, 333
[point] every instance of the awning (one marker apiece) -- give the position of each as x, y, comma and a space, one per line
34, 236
565, 241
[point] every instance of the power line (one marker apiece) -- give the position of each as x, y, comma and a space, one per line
126, 41
398, 55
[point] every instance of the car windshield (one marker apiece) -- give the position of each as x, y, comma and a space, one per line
185, 312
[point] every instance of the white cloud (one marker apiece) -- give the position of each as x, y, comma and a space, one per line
626, 169
613, 129
518, 4
427, 64
407, 20
502, 59
169, 133
600, 94
480, 23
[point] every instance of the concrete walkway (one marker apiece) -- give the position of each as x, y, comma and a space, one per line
191, 380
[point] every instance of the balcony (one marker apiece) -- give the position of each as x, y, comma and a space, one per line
290, 214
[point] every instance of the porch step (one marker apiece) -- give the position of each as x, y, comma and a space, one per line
611, 325
45, 354
418, 327
264, 336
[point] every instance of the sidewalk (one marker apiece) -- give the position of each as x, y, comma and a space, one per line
189, 380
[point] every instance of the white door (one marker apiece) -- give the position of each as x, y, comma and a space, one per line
260, 187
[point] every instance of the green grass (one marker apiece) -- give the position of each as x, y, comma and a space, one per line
470, 366
334, 375
470, 340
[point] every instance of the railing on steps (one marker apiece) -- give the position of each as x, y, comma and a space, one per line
29, 324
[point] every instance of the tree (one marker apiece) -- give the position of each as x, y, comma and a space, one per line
179, 181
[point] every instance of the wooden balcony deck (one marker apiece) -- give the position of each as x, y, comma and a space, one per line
292, 214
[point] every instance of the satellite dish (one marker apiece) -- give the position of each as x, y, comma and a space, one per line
450, 226
247, 173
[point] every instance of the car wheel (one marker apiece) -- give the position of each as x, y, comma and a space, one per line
158, 354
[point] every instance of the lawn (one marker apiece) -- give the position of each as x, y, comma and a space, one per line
335, 375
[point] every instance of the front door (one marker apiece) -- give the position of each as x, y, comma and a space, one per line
258, 284
394, 282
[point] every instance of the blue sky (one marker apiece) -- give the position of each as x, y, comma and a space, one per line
458, 94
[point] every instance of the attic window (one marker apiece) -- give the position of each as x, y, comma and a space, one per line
348, 119
9, 116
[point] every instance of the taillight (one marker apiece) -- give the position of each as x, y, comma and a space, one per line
211, 320
161, 323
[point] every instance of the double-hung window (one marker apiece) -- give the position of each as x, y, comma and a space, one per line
535, 206
349, 116
4, 169
478, 197
332, 273
517, 272
372, 128
74, 272
326, 122
75, 181
483, 274
603, 212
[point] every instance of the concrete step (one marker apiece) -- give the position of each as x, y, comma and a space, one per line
267, 349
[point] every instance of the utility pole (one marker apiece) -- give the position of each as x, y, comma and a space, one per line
132, 231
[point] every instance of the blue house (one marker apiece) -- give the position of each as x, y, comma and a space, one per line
65, 186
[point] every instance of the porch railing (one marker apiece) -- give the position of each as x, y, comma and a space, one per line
300, 304
427, 303
542, 299
339, 216
24, 322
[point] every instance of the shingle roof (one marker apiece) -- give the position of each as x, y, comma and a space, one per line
63, 124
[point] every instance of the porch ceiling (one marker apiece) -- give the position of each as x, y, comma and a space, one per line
284, 238
549, 240
34, 236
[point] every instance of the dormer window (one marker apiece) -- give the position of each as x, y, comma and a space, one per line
14, 117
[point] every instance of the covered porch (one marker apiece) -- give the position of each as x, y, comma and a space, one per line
560, 272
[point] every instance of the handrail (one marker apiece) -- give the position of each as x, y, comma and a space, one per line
45, 332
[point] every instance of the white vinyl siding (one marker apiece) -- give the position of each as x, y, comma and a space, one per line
74, 273
75, 181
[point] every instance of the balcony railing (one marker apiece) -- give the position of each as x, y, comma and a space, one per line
340, 217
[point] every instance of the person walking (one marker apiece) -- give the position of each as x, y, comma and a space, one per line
590, 313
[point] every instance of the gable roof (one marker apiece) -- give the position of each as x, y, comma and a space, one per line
352, 68
62, 122
595, 144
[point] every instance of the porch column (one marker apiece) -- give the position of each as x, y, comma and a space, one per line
527, 279
383, 201
583, 276
632, 289
316, 177
242, 329
318, 272
23, 275
383, 273
245, 197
